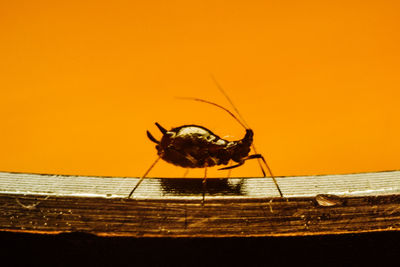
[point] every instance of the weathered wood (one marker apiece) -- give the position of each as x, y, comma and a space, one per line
358, 184
55, 204
256, 217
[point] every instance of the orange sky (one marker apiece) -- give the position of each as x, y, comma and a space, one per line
80, 83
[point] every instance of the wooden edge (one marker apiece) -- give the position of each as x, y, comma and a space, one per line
361, 184
300, 216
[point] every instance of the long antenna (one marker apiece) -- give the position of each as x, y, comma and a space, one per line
229, 100
214, 104
247, 127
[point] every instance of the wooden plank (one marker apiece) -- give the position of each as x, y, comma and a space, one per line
256, 217
359, 184
170, 207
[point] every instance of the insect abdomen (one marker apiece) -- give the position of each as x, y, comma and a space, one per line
193, 147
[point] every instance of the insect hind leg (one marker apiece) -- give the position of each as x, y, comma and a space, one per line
257, 156
233, 166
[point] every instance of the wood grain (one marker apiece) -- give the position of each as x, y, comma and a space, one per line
98, 205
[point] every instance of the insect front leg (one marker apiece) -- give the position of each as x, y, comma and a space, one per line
144, 176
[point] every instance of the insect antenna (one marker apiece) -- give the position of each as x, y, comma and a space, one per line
247, 127
230, 101
243, 123
214, 104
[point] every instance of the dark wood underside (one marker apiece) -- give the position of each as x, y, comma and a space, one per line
188, 218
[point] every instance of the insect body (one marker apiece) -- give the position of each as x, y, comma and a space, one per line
192, 146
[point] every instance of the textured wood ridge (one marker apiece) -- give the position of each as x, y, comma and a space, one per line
173, 207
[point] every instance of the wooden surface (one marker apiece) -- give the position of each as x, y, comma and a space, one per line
312, 205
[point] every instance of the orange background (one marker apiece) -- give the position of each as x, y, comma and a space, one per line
81, 82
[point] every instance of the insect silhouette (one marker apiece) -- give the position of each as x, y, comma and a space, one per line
194, 146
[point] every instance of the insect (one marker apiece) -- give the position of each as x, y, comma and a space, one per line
194, 146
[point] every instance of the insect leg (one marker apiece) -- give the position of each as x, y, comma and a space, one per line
269, 169
144, 176
233, 166
229, 170
151, 137
259, 156
255, 156
186, 172
204, 185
